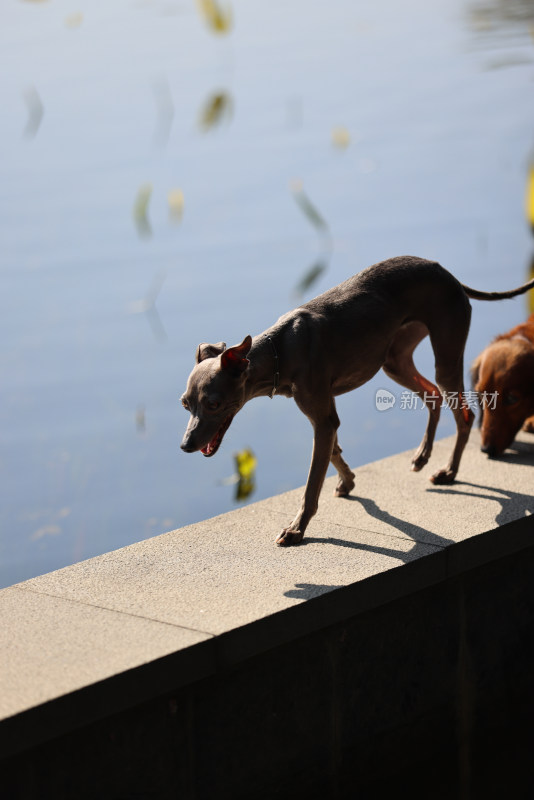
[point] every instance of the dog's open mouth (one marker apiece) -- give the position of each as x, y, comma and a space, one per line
211, 448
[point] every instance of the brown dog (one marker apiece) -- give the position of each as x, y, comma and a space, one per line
334, 344
503, 375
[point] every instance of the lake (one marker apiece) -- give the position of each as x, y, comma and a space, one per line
176, 172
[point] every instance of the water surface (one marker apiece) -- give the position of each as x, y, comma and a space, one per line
151, 176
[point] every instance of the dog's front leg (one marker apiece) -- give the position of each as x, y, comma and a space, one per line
323, 442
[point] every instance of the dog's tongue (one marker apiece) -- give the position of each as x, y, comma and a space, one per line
211, 446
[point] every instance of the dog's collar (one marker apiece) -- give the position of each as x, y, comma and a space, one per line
276, 379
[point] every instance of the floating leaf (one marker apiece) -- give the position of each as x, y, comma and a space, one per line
140, 209
307, 206
340, 138
217, 107
245, 487
176, 202
310, 276
313, 215
245, 462
74, 20
217, 19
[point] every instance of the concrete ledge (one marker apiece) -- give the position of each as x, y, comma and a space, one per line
165, 618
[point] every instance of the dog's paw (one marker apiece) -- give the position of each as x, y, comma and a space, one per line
418, 463
289, 537
344, 487
443, 477
420, 458
528, 425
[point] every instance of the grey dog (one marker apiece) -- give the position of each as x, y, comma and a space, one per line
334, 344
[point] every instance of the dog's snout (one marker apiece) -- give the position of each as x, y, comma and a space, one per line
189, 441
490, 450
187, 444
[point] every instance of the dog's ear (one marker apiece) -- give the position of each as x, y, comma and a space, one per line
475, 370
205, 350
236, 357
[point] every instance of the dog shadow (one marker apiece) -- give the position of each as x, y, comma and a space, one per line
422, 538
512, 503
423, 541
521, 453
306, 591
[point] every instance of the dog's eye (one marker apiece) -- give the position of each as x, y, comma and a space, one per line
510, 399
213, 405
185, 404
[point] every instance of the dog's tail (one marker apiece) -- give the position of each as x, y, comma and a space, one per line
475, 294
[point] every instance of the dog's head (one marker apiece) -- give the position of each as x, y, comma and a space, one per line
503, 376
215, 392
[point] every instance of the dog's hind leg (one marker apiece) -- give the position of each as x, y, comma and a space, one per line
346, 476
400, 367
448, 345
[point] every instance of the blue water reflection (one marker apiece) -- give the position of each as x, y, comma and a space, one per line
151, 170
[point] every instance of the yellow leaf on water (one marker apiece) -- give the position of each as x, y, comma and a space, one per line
340, 138
74, 20
245, 462
140, 209
175, 199
217, 107
217, 19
